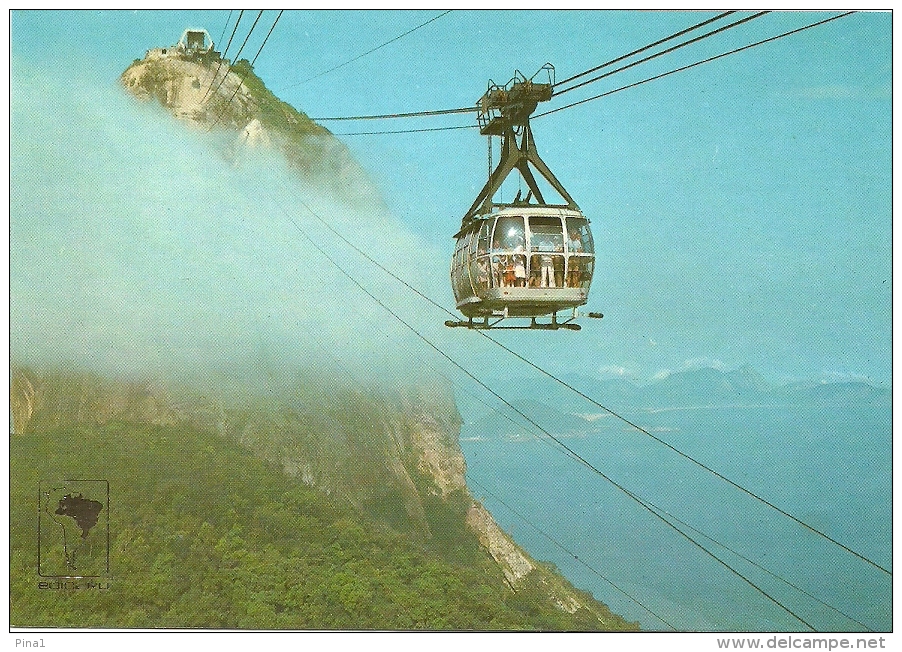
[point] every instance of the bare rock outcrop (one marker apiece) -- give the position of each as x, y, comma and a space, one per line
504, 551
210, 93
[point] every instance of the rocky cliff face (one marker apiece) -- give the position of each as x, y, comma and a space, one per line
213, 94
392, 452
380, 450
409, 436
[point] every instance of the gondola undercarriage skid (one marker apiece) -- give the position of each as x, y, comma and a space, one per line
528, 258
489, 322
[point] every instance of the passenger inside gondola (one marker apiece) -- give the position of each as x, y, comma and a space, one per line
580, 239
511, 270
575, 243
546, 237
509, 240
543, 271
508, 273
480, 272
519, 261
574, 274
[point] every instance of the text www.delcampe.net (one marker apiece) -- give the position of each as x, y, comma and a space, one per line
801, 643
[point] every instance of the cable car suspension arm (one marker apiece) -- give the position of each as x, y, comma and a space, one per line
504, 111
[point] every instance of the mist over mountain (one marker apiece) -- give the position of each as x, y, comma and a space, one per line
142, 247
180, 328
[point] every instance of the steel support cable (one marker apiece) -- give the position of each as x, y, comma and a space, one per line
730, 568
378, 47
246, 38
647, 47
698, 63
351, 376
563, 548
404, 131
663, 52
238, 54
678, 520
572, 453
241, 79
388, 116
228, 20
234, 30
651, 506
769, 572
473, 109
591, 400
281, 11
688, 457
223, 55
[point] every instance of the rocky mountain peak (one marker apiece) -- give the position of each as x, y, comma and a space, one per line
210, 93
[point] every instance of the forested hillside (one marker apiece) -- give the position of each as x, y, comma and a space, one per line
164, 340
205, 534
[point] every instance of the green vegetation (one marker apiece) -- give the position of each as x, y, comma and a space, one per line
309, 148
273, 112
205, 534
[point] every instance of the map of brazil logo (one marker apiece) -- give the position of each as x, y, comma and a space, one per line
74, 528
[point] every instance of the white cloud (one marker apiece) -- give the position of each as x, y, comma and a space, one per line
832, 376
662, 374
591, 417
137, 249
703, 363
616, 371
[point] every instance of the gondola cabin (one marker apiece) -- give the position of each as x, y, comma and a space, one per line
527, 258
523, 262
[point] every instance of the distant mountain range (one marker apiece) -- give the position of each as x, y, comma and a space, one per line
695, 388
745, 386
702, 387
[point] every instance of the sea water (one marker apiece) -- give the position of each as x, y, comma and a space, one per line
828, 466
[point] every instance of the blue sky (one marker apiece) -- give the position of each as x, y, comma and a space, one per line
741, 209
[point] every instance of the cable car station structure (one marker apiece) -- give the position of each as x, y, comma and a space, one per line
526, 258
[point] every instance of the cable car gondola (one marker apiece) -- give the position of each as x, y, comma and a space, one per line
526, 258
